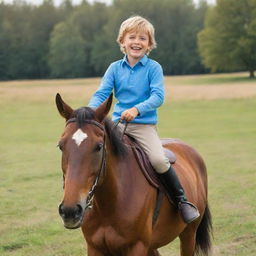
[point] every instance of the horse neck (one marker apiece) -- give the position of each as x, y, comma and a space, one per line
117, 183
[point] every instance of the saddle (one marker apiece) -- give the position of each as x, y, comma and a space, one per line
146, 167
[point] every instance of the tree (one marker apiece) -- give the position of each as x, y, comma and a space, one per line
90, 19
67, 57
105, 49
176, 23
72, 41
86, 36
4, 41
24, 39
14, 51
228, 40
42, 22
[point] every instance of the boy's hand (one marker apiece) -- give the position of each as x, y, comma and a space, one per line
129, 114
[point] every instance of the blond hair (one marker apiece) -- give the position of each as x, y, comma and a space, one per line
137, 23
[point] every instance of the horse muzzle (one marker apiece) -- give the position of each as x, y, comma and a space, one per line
72, 216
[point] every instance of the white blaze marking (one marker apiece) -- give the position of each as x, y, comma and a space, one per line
79, 136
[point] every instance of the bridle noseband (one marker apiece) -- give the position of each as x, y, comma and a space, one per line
102, 170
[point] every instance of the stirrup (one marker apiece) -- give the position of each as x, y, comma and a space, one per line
189, 211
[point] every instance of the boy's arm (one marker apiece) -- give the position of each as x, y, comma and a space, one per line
104, 90
156, 98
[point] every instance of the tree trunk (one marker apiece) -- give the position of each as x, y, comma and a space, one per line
252, 74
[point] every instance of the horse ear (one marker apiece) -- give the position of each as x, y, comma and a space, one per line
102, 111
64, 109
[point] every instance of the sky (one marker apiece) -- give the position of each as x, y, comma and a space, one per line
57, 2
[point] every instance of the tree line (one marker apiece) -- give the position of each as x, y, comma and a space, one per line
68, 41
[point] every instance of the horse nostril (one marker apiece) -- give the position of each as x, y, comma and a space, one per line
79, 210
70, 212
61, 210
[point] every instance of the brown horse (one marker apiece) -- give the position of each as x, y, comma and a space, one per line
106, 194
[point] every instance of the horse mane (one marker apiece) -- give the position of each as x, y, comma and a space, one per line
115, 136
113, 132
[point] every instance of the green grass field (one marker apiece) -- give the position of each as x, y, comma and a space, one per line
223, 130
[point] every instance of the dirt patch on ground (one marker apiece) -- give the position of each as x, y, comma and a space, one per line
211, 92
176, 89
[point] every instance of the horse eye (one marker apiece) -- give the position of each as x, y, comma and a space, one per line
60, 146
99, 146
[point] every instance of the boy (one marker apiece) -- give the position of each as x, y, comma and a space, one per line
137, 82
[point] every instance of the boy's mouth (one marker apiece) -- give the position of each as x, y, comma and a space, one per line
136, 48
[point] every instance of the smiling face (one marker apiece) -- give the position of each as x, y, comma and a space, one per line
140, 32
136, 45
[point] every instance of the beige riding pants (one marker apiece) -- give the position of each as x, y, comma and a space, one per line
146, 135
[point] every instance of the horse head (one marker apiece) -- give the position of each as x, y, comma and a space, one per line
83, 158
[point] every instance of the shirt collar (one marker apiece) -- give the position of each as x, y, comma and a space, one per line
143, 60
125, 61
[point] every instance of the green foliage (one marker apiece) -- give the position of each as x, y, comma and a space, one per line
24, 36
30, 45
229, 37
176, 23
105, 49
67, 57
80, 41
14, 45
72, 42
42, 22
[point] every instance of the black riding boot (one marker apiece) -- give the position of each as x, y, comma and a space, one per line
170, 180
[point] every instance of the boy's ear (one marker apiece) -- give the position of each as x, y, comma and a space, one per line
102, 111
65, 110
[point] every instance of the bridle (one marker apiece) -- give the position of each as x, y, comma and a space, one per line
102, 170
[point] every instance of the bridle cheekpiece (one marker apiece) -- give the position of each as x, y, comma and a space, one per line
90, 196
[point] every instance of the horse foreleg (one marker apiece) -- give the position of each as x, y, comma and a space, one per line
138, 249
93, 252
187, 243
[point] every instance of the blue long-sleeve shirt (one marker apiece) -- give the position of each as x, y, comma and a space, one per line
140, 86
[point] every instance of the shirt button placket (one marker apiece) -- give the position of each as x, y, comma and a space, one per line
131, 80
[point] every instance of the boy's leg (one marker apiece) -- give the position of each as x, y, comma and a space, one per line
170, 180
148, 138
